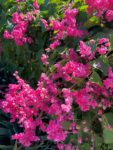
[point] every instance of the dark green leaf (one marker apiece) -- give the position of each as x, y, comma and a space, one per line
103, 60
66, 125
95, 78
111, 41
4, 132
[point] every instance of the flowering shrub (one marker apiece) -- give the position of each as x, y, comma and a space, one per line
21, 23
102, 9
72, 102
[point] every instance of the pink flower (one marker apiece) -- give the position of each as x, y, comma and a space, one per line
82, 99
55, 131
7, 35
72, 54
20, 1
80, 140
44, 59
103, 41
102, 8
67, 26
60, 146
110, 72
25, 138
66, 108
108, 83
35, 4
71, 13
106, 103
55, 109
76, 69
102, 50
85, 50
29, 39
45, 24
109, 15
19, 31
54, 44
16, 18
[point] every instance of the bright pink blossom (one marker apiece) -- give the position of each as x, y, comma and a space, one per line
109, 15
102, 50
85, 50
55, 131
35, 4
44, 59
102, 8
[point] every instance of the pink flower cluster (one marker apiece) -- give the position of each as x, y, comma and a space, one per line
25, 104
20, 23
109, 81
55, 131
18, 33
44, 22
66, 27
35, 5
102, 8
20, 1
44, 59
66, 87
76, 70
57, 96
85, 100
85, 51
102, 47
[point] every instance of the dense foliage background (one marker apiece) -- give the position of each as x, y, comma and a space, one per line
67, 47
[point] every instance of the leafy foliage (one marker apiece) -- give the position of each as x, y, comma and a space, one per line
54, 51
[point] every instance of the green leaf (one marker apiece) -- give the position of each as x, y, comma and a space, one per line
86, 146
97, 142
91, 22
111, 41
15, 146
110, 146
100, 34
66, 125
82, 8
82, 16
54, 1
4, 147
40, 2
72, 138
107, 132
52, 69
108, 117
108, 136
4, 132
95, 78
103, 60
